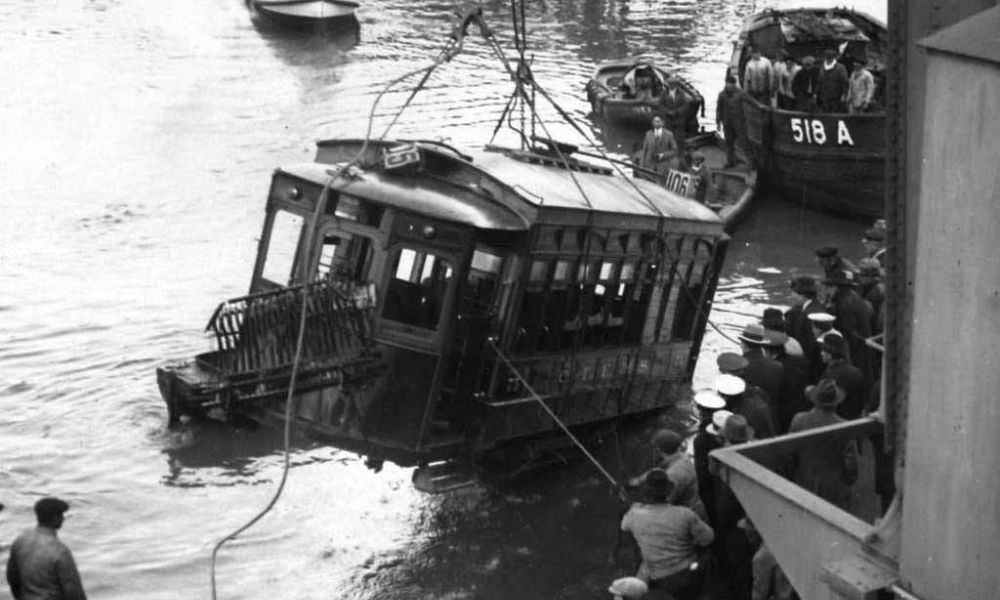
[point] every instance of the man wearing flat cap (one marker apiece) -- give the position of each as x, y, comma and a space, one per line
827, 469
853, 318
874, 244
670, 456
40, 565
669, 539
848, 377
829, 259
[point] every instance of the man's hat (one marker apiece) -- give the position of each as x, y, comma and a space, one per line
730, 362
628, 587
804, 284
826, 251
829, 53
773, 319
821, 318
753, 334
730, 79
875, 234
709, 399
697, 154
718, 422
826, 393
667, 440
49, 507
834, 344
869, 267
730, 385
840, 278
736, 430
776, 338
658, 485
808, 61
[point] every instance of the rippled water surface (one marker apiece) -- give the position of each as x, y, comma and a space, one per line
138, 143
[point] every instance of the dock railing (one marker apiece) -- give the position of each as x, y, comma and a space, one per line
821, 548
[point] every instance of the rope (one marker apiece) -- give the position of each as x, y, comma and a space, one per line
320, 204
614, 482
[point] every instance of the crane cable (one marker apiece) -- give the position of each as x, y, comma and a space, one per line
451, 49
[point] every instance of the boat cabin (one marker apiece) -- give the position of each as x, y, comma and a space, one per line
426, 265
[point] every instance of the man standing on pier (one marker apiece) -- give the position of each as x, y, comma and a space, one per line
40, 565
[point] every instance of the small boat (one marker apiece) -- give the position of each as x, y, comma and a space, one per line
730, 191
629, 91
830, 161
459, 306
304, 15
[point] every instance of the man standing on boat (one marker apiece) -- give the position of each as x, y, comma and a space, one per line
757, 77
659, 148
675, 107
784, 72
804, 85
862, 89
729, 117
832, 85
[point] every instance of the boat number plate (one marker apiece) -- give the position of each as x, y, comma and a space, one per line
814, 131
684, 184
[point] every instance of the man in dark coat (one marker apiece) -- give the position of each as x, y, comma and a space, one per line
659, 148
732, 546
804, 85
826, 469
755, 409
872, 289
729, 119
675, 108
854, 319
794, 381
829, 259
708, 403
832, 84
874, 245
797, 317
849, 378
761, 370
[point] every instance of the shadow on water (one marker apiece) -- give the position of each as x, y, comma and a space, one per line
310, 47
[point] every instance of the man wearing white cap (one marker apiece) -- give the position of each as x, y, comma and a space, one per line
822, 326
709, 404
751, 406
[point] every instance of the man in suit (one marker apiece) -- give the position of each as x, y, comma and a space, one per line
659, 148
675, 108
797, 322
762, 370
854, 318
848, 377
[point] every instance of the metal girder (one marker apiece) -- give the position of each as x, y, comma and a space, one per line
819, 546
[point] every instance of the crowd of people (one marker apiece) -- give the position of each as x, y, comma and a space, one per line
835, 84
812, 365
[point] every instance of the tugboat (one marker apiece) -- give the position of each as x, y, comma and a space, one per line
830, 161
628, 91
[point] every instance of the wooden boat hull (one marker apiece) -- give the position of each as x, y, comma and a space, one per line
304, 15
831, 162
608, 102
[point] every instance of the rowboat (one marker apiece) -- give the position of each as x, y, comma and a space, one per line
830, 161
629, 91
303, 14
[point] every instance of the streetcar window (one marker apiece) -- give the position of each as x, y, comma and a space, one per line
481, 284
279, 265
418, 288
344, 256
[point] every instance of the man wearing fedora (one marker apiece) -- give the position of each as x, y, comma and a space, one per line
761, 370
853, 318
669, 539
827, 469
40, 565
732, 548
849, 378
795, 380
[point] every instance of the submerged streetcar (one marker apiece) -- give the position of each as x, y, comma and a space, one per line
448, 294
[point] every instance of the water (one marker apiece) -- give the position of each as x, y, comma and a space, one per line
138, 146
